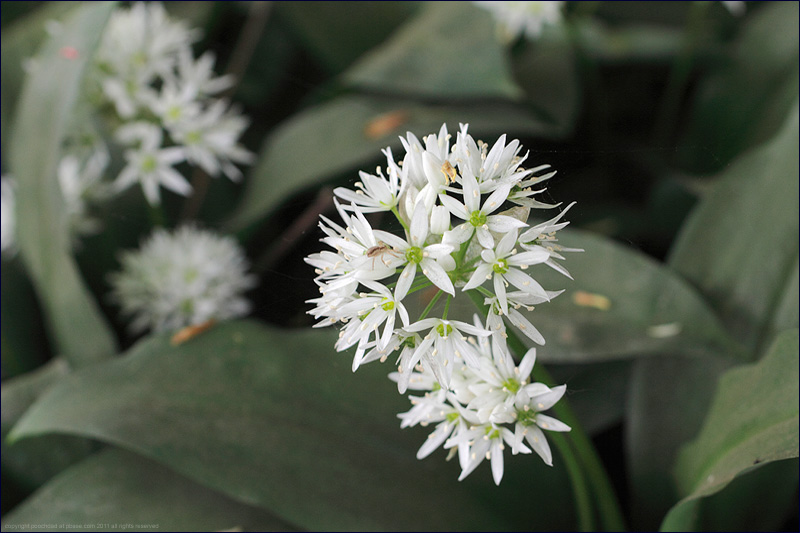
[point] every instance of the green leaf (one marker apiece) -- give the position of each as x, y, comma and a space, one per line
39, 459
19, 42
435, 54
740, 245
321, 142
621, 304
276, 419
753, 420
667, 398
118, 490
552, 57
80, 332
744, 102
321, 26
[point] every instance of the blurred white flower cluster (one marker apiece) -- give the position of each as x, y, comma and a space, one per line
448, 200
515, 19
182, 278
162, 102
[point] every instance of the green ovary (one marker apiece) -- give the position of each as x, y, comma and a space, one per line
500, 266
149, 163
414, 254
526, 418
387, 306
511, 384
477, 219
444, 330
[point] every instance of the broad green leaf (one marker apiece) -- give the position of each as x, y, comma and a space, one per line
120, 491
321, 26
20, 41
31, 464
631, 43
447, 50
78, 329
740, 245
753, 421
277, 419
745, 101
740, 248
621, 304
321, 142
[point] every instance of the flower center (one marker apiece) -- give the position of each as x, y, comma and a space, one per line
444, 330
414, 254
492, 433
387, 306
174, 113
409, 342
526, 418
193, 137
451, 417
477, 219
149, 163
511, 384
500, 266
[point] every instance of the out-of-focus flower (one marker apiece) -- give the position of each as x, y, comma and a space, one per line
182, 278
522, 18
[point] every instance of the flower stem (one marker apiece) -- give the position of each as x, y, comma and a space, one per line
400, 219
430, 305
446, 307
583, 501
581, 448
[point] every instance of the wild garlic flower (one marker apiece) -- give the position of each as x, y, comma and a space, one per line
80, 175
8, 214
182, 278
145, 74
526, 18
488, 406
366, 276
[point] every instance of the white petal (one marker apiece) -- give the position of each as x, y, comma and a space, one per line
551, 424
478, 277
497, 462
496, 199
419, 226
538, 442
437, 275
454, 206
500, 292
525, 283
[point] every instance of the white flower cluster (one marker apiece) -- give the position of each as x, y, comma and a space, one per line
181, 279
523, 17
455, 239
161, 101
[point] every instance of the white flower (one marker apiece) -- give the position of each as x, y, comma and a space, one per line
375, 193
82, 182
445, 345
150, 164
500, 265
485, 442
528, 403
417, 253
138, 45
367, 313
524, 17
542, 237
210, 139
8, 220
478, 219
182, 278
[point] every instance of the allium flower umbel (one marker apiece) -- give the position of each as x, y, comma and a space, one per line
463, 209
182, 278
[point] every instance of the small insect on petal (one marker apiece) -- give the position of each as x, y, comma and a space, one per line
384, 124
190, 332
69, 52
588, 299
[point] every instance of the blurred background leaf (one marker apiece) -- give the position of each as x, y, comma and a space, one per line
77, 328
290, 429
740, 248
122, 491
753, 420
744, 101
448, 50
